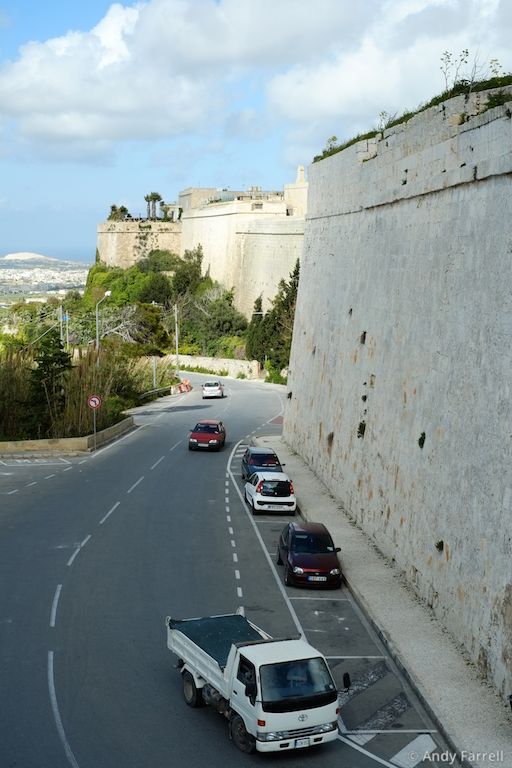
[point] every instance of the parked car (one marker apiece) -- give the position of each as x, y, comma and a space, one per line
207, 434
270, 492
309, 556
257, 459
213, 389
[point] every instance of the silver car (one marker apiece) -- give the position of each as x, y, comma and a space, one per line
213, 389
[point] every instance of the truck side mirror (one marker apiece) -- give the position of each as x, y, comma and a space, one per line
346, 681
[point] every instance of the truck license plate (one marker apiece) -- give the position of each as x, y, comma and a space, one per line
301, 743
317, 578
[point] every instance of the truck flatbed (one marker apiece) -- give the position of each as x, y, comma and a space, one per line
216, 634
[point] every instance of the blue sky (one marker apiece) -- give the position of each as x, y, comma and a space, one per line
101, 103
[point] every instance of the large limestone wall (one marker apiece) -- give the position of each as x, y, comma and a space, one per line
123, 243
402, 358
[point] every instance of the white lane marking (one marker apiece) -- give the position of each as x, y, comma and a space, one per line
235, 557
350, 743
359, 738
64, 461
226, 483
77, 550
33, 483
56, 714
10, 493
226, 500
135, 484
109, 512
55, 603
230, 531
394, 730
175, 445
237, 575
116, 442
228, 518
334, 599
83, 461
157, 462
48, 477
355, 657
239, 592
233, 543
289, 605
67, 469
413, 753
227, 507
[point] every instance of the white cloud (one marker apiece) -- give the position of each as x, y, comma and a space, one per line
170, 68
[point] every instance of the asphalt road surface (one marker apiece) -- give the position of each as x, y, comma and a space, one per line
96, 551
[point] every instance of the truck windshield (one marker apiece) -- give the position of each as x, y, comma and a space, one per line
296, 684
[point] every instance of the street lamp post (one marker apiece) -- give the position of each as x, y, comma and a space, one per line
176, 332
107, 293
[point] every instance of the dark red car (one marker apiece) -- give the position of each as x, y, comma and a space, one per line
208, 434
309, 556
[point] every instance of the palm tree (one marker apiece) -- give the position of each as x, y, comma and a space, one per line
147, 198
155, 198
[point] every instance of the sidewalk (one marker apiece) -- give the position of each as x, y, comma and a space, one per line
476, 724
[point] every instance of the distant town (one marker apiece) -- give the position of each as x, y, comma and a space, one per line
32, 276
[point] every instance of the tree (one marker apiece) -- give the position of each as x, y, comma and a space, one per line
147, 198
46, 398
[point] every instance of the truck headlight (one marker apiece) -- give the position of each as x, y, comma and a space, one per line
298, 569
326, 727
271, 736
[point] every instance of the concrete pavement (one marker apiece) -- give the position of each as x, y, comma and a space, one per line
476, 724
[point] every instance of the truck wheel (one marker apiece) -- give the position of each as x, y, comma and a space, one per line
192, 695
238, 734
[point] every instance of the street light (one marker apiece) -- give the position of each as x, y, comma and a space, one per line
107, 293
176, 334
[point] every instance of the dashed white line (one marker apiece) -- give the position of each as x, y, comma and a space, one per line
55, 603
230, 531
109, 512
135, 484
226, 500
175, 445
32, 483
239, 592
237, 575
10, 493
67, 469
56, 714
157, 462
233, 543
228, 518
235, 557
48, 476
77, 550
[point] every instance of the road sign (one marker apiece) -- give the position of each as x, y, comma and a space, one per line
94, 401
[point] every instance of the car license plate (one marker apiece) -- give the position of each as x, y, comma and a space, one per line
301, 743
273, 508
317, 578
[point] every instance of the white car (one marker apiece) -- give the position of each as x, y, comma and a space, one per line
270, 492
213, 389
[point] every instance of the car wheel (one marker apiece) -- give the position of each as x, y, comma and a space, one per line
190, 448
279, 560
287, 576
238, 734
254, 510
191, 694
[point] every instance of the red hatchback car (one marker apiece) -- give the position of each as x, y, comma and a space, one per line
309, 556
208, 434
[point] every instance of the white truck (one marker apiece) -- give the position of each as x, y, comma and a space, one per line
277, 694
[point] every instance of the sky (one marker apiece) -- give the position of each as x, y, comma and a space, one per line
102, 103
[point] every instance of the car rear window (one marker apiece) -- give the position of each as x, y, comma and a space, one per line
275, 488
312, 543
264, 460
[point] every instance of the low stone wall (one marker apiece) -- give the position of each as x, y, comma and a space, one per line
67, 444
235, 368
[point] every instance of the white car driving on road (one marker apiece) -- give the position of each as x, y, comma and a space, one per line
213, 389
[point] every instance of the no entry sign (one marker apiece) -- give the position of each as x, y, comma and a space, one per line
94, 401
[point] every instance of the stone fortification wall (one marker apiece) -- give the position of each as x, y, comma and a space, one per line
232, 234
401, 359
123, 243
266, 252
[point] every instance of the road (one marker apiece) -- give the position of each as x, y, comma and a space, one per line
96, 551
